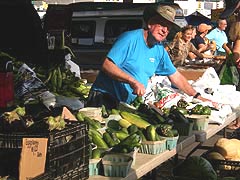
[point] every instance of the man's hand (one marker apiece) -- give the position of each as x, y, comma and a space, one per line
138, 88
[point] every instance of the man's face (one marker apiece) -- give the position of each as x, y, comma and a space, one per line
222, 24
159, 28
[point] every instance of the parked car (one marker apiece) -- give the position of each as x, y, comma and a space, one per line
95, 26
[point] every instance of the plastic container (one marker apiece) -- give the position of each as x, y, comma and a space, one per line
200, 122
184, 129
80, 172
132, 154
94, 166
44, 176
183, 178
153, 147
171, 142
224, 167
68, 149
116, 165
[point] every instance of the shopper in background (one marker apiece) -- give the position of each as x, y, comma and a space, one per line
219, 36
134, 58
234, 37
234, 34
180, 48
200, 41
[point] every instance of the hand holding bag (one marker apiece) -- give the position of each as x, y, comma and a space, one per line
229, 73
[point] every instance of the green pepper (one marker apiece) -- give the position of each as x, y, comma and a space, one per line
182, 110
197, 109
182, 103
206, 110
137, 102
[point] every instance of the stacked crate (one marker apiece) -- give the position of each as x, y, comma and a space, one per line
67, 151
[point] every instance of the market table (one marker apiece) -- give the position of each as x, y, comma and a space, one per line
146, 162
213, 129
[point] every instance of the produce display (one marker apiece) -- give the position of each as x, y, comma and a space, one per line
137, 127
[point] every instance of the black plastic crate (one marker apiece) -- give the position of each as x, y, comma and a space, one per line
67, 140
14, 141
62, 163
71, 132
67, 149
232, 168
44, 176
224, 167
235, 134
79, 173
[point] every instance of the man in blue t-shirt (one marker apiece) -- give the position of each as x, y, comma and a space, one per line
135, 57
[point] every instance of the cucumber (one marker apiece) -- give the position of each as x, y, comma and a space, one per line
140, 133
114, 111
108, 139
151, 133
157, 137
114, 137
132, 129
98, 141
92, 131
104, 112
124, 130
131, 140
93, 123
96, 153
134, 119
121, 135
80, 116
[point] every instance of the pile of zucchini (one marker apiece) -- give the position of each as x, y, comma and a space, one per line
125, 134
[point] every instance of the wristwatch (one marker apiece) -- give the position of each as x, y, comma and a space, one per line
196, 95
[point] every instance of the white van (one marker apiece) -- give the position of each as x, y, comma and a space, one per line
95, 26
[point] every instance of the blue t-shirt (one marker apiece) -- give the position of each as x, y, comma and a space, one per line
131, 54
219, 37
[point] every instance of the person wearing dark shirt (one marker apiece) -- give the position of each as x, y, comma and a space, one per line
200, 40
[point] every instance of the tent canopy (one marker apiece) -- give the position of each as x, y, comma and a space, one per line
197, 18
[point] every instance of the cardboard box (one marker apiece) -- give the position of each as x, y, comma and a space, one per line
191, 74
33, 157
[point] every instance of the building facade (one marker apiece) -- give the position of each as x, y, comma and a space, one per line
202, 6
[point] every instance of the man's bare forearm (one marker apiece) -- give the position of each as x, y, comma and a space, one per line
116, 73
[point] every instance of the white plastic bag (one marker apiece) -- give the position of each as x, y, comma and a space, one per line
209, 79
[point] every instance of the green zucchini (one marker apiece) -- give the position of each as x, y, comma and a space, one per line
151, 133
108, 139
